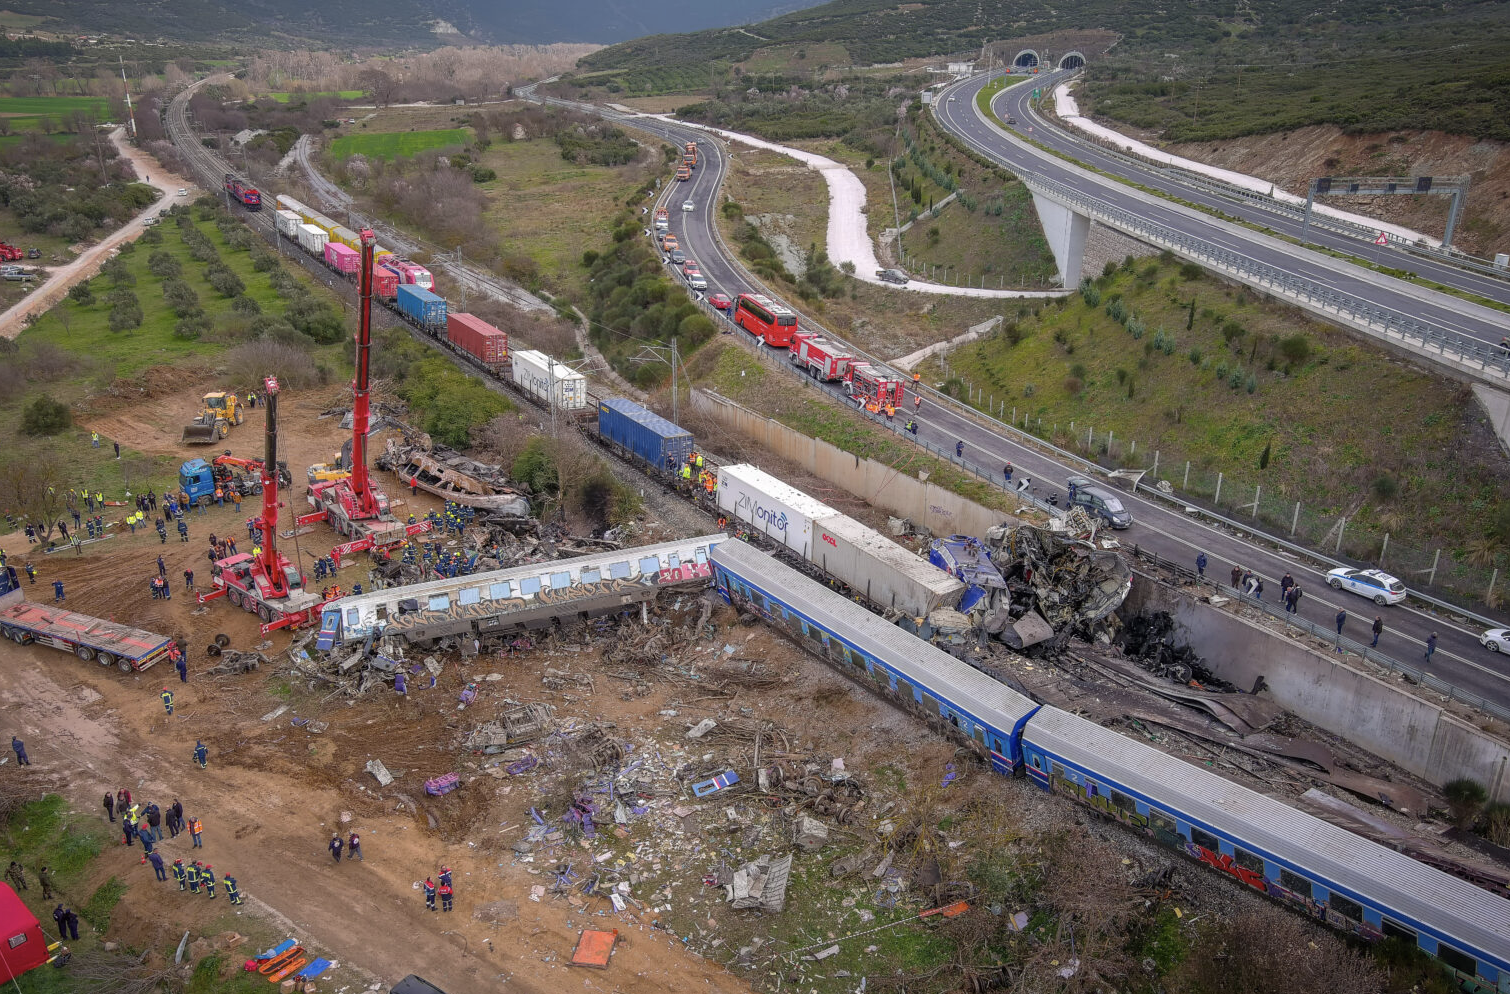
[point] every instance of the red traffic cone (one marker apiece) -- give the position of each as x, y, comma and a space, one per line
144, 859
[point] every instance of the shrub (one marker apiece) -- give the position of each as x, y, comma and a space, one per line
1073, 386
163, 265
1136, 327
1263, 458
246, 305
1385, 488
1117, 310
1496, 823
1232, 331
1090, 294
1235, 379
227, 283
1190, 271
1465, 797
1295, 348
1251, 383
125, 315
1195, 357
482, 174
80, 294
45, 416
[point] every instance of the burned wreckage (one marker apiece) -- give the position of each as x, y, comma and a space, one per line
448, 474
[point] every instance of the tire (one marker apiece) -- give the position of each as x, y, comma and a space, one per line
124, 664
1335, 584
105, 659
25, 638
222, 428
1495, 647
1379, 600
212, 650
265, 613
222, 640
234, 597
84, 652
256, 489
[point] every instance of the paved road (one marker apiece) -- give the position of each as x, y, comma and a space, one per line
1459, 659
961, 116
1019, 103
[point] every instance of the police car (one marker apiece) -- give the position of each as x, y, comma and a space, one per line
1376, 585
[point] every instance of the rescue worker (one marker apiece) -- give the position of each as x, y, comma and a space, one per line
959, 450
912, 426
207, 876
201, 754
196, 829
183, 530
156, 860
429, 894
335, 846
168, 701
445, 875
57, 591
445, 897
20, 749
232, 890
179, 874
354, 847
193, 875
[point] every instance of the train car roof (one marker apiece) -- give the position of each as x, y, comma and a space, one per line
906, 562
576, 564
799, 501
1315, 847
921, 663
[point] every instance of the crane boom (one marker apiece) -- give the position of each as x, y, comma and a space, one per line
271, 568
366, 502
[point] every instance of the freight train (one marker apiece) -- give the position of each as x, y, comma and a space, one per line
1322, 871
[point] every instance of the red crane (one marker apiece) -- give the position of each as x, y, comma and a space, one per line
264, 581
354, 505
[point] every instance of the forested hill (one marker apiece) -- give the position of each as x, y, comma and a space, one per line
1406, 64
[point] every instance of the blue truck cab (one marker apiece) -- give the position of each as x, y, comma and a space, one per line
197, 479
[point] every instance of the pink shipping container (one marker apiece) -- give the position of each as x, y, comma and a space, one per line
477, 338
342, 258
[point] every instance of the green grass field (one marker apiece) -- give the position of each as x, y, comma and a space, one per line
26, 113
390, 145
285, 97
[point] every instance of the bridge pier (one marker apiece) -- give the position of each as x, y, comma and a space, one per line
1066, 232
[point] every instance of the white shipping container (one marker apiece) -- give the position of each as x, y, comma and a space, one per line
533, 372
879, 569
775, 509
288, 223
313, 240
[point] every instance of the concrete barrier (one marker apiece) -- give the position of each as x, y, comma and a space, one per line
941, 511
1387, 720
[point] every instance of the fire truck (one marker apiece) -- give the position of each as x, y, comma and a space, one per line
874, 384
818, 357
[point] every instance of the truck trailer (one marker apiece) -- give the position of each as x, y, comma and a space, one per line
91, 639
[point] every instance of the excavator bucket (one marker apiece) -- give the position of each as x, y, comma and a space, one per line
201, 431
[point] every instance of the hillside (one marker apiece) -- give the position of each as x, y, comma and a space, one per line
1211, 72
394, 23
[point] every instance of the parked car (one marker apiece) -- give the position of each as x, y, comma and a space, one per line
1100, 502
1376, 585
892, 276
1496, 640
688, 205
721, 301
182, 192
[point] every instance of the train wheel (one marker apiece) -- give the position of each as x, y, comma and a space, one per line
222, 640
84, 652
105, 659
212, 650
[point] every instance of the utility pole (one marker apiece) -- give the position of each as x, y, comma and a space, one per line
130, 114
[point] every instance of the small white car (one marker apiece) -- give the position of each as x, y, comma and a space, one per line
1496, 640
688, 205
182, 192
1376, 585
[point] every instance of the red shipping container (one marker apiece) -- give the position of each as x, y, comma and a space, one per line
476, 337
384, 282
342, 258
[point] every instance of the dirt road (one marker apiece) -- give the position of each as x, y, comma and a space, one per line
88, 263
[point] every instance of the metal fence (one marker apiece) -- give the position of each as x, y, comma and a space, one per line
1414, 674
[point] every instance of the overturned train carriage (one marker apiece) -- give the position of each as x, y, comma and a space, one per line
520, 598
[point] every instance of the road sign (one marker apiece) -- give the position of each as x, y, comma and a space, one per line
1383, 239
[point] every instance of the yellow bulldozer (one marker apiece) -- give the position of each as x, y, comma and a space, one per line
221, 410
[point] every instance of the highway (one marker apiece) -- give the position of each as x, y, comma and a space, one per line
1159, 527
957, 112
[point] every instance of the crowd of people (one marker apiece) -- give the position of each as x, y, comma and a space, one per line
144, 824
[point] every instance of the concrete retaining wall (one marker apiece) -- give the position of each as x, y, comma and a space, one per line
941, 511
1385, 719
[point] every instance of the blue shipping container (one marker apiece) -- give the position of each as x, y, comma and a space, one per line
644, 433
421, 306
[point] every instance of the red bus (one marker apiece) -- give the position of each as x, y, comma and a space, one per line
765, 319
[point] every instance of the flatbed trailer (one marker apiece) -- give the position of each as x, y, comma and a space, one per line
89, 638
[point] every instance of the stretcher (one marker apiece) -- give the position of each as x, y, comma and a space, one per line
296, 963
287, 954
